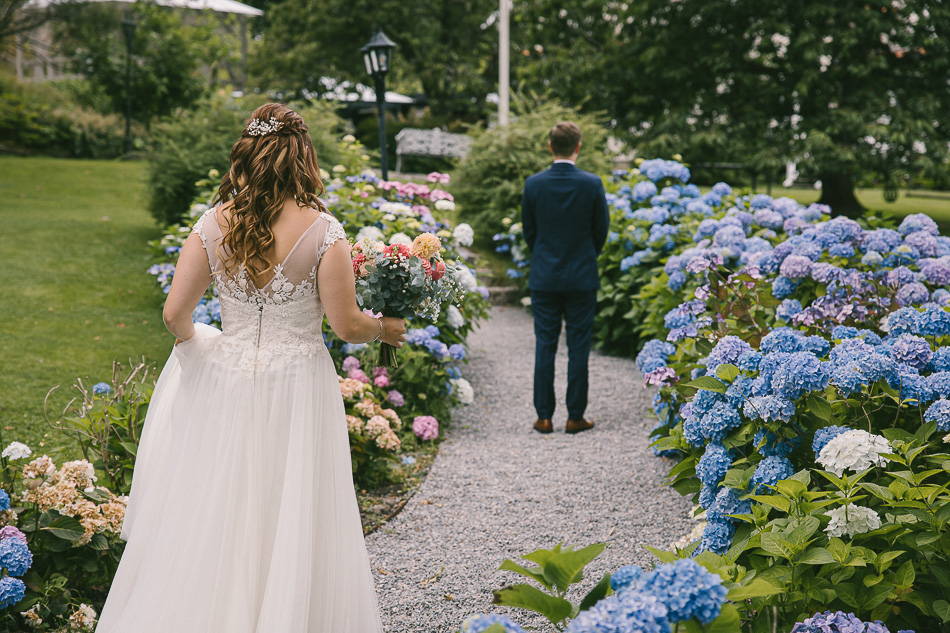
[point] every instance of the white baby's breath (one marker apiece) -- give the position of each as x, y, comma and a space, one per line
853, 450
851, 519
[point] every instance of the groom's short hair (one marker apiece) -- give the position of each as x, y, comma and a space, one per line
564, 138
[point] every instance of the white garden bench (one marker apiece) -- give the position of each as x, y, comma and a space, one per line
431, 143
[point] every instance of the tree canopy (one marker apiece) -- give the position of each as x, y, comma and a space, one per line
444, 47
840, 87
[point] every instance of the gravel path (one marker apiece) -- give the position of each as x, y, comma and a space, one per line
498, 489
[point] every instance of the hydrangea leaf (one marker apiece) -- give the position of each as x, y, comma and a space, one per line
727, 622
598, 593
758, 588
819, 407
523, 596
816, 556
727, 372
708, 383
942, 609
66, 528
534, 573
775, 501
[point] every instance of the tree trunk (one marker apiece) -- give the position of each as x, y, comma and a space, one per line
837, 191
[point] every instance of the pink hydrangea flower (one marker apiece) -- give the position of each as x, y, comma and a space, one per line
381, 381
380, 371
396, 398
425, 427
359, 374
350, 363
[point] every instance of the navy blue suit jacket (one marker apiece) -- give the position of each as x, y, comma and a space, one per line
565, 219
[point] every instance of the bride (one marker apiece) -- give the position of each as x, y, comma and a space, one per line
242, 515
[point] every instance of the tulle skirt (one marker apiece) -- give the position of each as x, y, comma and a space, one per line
242, 516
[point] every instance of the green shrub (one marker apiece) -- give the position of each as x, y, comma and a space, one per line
193, 142
489, 182
45, 119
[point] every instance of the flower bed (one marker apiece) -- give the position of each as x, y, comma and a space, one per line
428, 381
802, 362
802, 367
60, 524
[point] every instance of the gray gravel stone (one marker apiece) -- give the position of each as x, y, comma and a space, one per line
497, 489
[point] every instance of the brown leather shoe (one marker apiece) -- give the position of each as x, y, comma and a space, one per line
577, 426
544, 425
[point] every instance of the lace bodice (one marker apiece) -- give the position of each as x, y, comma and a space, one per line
283, 318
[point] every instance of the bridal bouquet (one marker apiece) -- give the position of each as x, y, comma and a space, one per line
403, 281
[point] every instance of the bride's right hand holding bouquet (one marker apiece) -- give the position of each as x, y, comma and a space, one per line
403, 281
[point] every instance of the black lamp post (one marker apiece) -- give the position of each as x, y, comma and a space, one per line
128, 28
377, 54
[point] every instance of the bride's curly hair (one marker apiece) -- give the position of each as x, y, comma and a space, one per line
273, 159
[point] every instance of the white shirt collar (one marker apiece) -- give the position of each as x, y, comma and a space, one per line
563, 160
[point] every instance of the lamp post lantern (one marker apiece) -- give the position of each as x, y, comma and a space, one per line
128, 29
377, 55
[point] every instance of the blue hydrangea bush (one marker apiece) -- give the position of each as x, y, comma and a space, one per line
803, 366
429, 379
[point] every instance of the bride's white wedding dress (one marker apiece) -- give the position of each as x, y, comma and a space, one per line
242, 516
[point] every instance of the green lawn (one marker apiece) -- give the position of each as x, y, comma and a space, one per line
75, 291
873, 199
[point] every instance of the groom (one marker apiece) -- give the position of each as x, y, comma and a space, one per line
565, 219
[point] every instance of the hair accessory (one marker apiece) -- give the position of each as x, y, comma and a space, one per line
258, 127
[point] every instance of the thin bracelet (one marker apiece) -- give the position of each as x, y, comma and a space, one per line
380, 330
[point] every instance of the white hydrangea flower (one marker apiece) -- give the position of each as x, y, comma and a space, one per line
400, 238
516, 228
16, 450
854, 451
454, 317
444, 205
395, 208
946, 438
463, 388
83, 618
371, 232
851, 519
526, 302
464, 234
466, 279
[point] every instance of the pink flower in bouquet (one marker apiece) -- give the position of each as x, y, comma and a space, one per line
396, 398
359, 374
426, 245
381, 381
425, 427
359, 261
350, 363
398, 251
438, 271
10, 531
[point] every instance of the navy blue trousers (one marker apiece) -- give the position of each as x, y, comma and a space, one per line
576, 310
